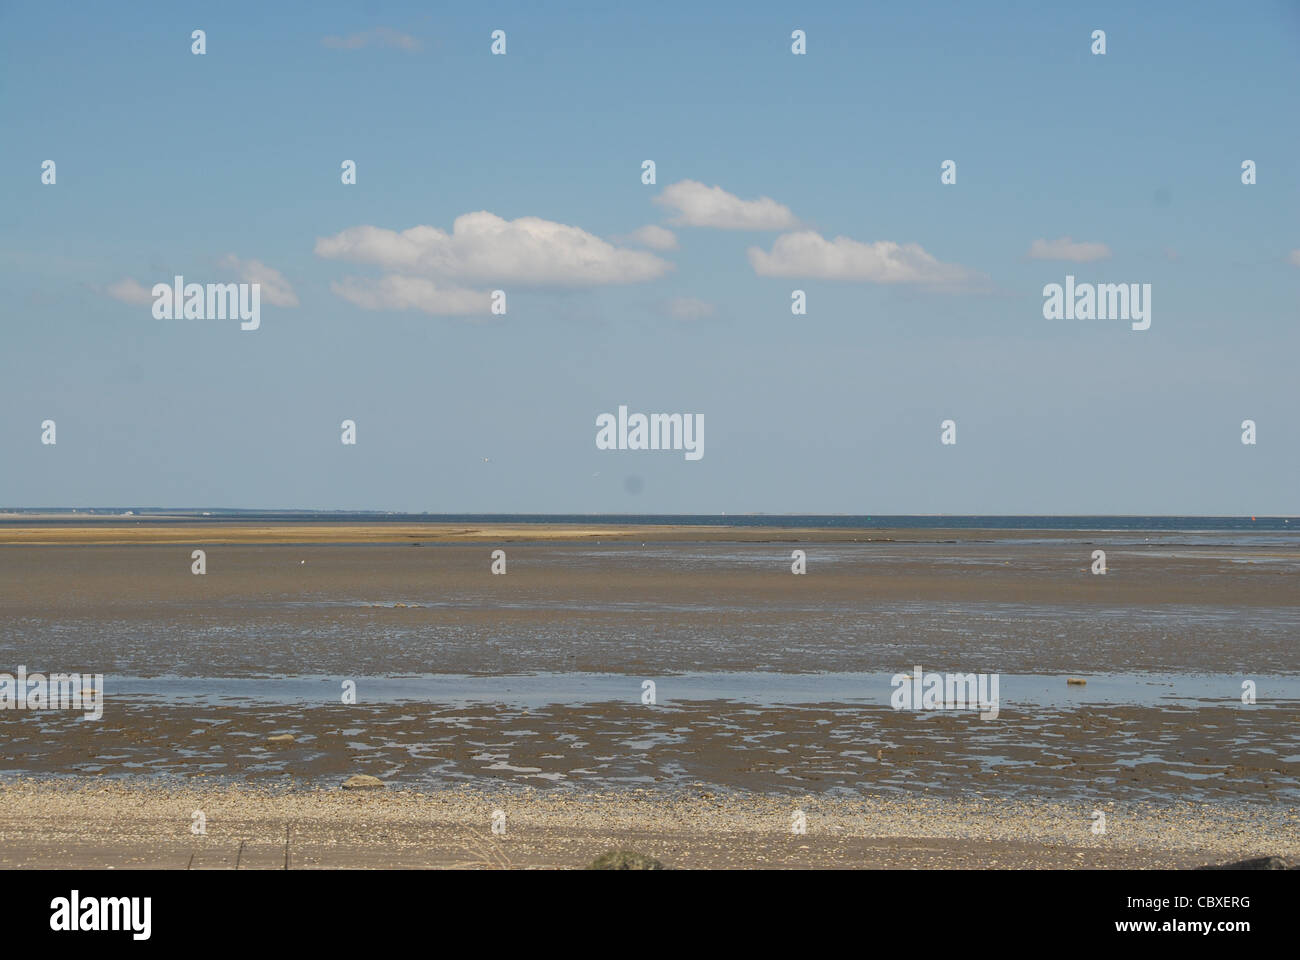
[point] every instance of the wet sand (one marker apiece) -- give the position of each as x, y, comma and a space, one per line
1214, 753
367, 603
1005, 606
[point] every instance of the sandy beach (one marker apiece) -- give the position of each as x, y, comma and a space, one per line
96, 825
117, 530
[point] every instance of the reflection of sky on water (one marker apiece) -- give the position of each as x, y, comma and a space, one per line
761, 688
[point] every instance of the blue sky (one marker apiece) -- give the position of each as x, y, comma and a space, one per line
170, 163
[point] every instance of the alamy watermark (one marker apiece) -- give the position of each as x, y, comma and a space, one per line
58, 691
952, 691
75, 913
214, 301
656, 431
1101, 301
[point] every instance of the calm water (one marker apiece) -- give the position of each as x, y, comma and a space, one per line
765, 689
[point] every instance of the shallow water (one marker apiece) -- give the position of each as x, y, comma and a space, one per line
762, 688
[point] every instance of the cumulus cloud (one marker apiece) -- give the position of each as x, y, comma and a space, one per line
1066, 249
689, 308
276, 290
380, 37
654, 236
396, 292
129, 290
808, 254
484, 247
698, 205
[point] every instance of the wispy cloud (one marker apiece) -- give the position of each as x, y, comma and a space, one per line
276, 290
129, 290
689, 308
1064, 248
808, 254
484, 247
698, 205
652, 236
396, 292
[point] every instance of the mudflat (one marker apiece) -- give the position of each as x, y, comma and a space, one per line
771, 690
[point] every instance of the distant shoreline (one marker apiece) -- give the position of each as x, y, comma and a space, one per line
253, 532
226, 531
151, 525
725, 519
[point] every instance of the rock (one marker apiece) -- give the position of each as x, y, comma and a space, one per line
1258, 863
625, 860
361, 781
280, 738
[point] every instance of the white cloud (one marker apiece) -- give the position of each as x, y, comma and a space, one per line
689, 308
1066, 249
698, 205
484, 247
654, 236
380, 36
395, 292
129, 290
276, 290
808, 254
1294, 258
